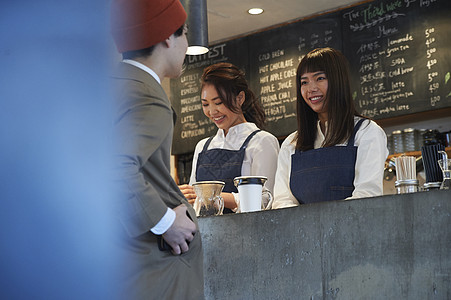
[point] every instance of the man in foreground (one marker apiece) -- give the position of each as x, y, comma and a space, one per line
160, 238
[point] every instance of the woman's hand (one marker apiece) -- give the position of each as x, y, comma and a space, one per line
229, 200
189, 193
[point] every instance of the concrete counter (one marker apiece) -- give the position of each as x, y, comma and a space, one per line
389, 247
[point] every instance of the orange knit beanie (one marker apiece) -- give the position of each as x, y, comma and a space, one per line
139, 24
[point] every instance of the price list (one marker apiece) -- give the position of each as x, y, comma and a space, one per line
433, 74
397, 56
277, 84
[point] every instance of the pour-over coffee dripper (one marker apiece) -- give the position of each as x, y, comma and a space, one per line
208, 201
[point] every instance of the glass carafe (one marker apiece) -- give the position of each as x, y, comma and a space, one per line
208, 201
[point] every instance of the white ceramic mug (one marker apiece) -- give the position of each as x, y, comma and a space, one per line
250, 192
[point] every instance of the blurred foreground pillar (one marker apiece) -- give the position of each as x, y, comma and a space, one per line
55, 226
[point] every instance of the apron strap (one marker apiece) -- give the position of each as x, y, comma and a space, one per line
248, 139
207, 143
356, 128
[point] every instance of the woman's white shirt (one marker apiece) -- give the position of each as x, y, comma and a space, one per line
369, 167
260, 157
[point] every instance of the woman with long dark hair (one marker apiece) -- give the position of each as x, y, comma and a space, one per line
335, 153
240, 147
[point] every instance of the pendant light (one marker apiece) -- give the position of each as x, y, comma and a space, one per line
197, 22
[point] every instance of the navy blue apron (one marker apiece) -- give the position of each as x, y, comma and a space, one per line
324, 174
222, 165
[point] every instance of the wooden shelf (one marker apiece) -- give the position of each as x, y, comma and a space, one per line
416, 153
416, 117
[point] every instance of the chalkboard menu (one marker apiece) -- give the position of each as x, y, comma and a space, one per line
192, 125
400, 55
274, 58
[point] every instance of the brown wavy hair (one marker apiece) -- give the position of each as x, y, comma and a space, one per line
229, 81
340, 105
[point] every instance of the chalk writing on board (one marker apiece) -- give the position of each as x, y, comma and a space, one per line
214, 55
190, 110
431, 64
383, 66
397, 55
276, 73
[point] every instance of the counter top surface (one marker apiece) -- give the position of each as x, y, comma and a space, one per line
388, 247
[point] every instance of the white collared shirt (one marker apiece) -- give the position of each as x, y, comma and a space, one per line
143, 67
369, 167
260, 158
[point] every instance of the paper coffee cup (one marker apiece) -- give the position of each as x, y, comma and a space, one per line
250, 192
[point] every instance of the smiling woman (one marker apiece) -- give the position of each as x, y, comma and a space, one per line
336, 153
240, 147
